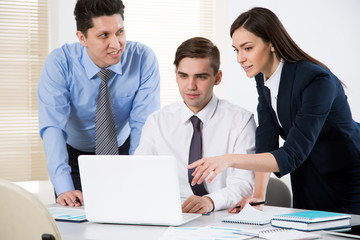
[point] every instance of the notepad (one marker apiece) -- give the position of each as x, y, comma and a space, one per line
68, 214
311, 220
249, 215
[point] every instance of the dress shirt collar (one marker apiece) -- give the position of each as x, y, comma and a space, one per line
92, 69
273, 82
204, 115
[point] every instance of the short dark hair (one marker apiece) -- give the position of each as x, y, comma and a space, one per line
86, 10
198, 47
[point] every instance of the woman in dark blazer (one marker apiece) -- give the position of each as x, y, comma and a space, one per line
302, 101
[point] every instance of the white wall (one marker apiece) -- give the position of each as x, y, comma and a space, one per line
328, 30
62, 25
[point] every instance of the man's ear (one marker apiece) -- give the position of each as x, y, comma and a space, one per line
176, 78
218, 77
82, 38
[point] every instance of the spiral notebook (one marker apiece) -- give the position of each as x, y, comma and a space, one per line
249, 215
312, 220
312, 216
272, 233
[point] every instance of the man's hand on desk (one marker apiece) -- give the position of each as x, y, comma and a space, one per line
71, 198
244, 201
197, 204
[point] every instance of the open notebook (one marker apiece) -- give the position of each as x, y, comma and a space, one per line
218, 232
272, 233
132, 189
249, 215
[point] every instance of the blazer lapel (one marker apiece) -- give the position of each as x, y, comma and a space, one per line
266, 91
284, 96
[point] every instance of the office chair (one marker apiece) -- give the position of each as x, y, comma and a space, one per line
278, 193
23, 216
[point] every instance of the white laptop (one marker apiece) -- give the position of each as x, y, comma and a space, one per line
132, 189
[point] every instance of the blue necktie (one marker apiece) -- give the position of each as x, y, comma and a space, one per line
195, 154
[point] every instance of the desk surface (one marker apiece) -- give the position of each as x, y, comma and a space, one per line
95, 231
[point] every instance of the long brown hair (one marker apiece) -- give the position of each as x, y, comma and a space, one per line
265, 24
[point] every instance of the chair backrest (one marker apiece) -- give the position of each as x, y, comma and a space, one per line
23, 216
278, 193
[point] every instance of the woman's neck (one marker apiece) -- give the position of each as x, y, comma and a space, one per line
273, 65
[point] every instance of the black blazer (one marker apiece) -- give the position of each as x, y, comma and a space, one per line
320, 135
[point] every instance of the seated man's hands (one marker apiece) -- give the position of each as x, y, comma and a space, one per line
71, 198
197, 204
240, 205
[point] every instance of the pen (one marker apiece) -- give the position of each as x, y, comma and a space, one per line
77, 200
254, 204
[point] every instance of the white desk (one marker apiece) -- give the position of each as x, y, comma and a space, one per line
96, 231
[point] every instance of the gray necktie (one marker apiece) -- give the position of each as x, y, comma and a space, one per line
105, 132
195, 154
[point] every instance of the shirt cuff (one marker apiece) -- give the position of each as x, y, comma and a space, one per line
63, 183
218, 200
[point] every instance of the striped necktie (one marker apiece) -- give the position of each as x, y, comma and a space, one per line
105, 131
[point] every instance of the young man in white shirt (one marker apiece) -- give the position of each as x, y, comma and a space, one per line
225, 128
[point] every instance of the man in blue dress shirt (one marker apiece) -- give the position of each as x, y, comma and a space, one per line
69, 86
